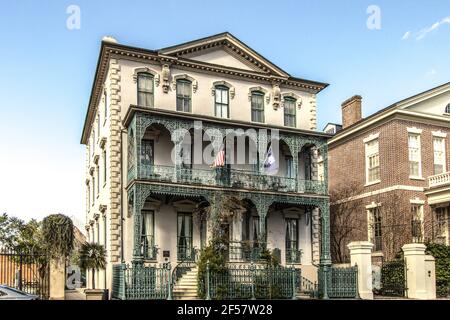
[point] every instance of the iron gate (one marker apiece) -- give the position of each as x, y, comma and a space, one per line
25, 271
393, 279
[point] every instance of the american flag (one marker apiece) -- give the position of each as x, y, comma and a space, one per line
220, 159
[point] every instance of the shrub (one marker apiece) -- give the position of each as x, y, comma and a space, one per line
441, 254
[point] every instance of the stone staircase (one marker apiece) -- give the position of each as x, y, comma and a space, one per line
186, 286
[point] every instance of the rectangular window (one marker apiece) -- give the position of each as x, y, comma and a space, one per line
147, 149
375, 228
257, 101
98, 180
184, 237
148, 234
289, 112
105, 97
184, 90
416, 222
372, 161
221, 102
414, 155
104, 167
292, 252
439, 154
93, 190
442, 217
145, 90
289, 167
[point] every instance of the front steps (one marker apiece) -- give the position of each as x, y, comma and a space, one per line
186, 286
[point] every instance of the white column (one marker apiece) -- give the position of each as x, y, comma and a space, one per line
415, 270
361, 255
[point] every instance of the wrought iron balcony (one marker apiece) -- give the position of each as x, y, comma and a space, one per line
293, 256
244, 251
187, 253
439, 180
148, 249
224, 177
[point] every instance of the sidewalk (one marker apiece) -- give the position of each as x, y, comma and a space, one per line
76, 294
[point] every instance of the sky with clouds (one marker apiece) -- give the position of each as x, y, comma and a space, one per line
47, 69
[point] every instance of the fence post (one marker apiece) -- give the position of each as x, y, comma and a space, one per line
169, 294
252, 272
294, 296
419, 278
208, 293
361, 256
357, 282
325, 282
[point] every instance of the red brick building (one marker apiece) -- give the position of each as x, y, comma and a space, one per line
389, 174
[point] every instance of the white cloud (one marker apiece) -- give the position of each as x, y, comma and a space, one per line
425, 31
406, 35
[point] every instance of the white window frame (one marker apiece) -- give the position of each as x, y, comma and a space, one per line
366, 141
440, 135
420, 204
370, 223
417, 133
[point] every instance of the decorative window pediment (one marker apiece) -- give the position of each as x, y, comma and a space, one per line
102, 208
292, 95
184, 205
260, 89
155, 74
230, 87
103, 142
187, 77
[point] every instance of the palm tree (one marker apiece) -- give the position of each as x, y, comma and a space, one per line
92, 256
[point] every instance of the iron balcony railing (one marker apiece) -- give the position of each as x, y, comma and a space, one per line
187, 253
148, 249
225, 177
244, 251
293, 256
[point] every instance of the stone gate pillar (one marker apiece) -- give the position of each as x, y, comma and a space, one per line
419, 272
360, 255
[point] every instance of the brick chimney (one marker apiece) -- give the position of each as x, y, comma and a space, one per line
351, 111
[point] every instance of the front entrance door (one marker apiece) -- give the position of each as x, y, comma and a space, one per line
185, 250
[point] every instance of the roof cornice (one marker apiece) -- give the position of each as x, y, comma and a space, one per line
109, 49
386, 116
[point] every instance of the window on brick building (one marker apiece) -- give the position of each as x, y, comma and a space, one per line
415, 166
372, 161
439, 154
442, 216
375, 228
417, 222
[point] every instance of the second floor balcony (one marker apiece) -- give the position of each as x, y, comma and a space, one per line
299, 160
439, 180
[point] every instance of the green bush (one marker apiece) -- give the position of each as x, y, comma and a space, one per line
393, 277
441, 254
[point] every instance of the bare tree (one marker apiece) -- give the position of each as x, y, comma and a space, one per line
346, 220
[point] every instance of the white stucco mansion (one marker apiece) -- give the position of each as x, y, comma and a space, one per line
141, 205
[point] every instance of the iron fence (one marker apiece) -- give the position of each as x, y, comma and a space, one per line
26, 271
254, 281
140, 282
338, 282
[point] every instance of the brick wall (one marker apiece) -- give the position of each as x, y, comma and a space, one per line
347, 167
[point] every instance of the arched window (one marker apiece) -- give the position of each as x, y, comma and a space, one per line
184, 95
447, 109
289, 112
257, 101
222, 101
145, 90
131, 157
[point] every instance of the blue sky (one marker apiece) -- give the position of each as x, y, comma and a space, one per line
47, 69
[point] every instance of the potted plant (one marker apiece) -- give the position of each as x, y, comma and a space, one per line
92, 256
